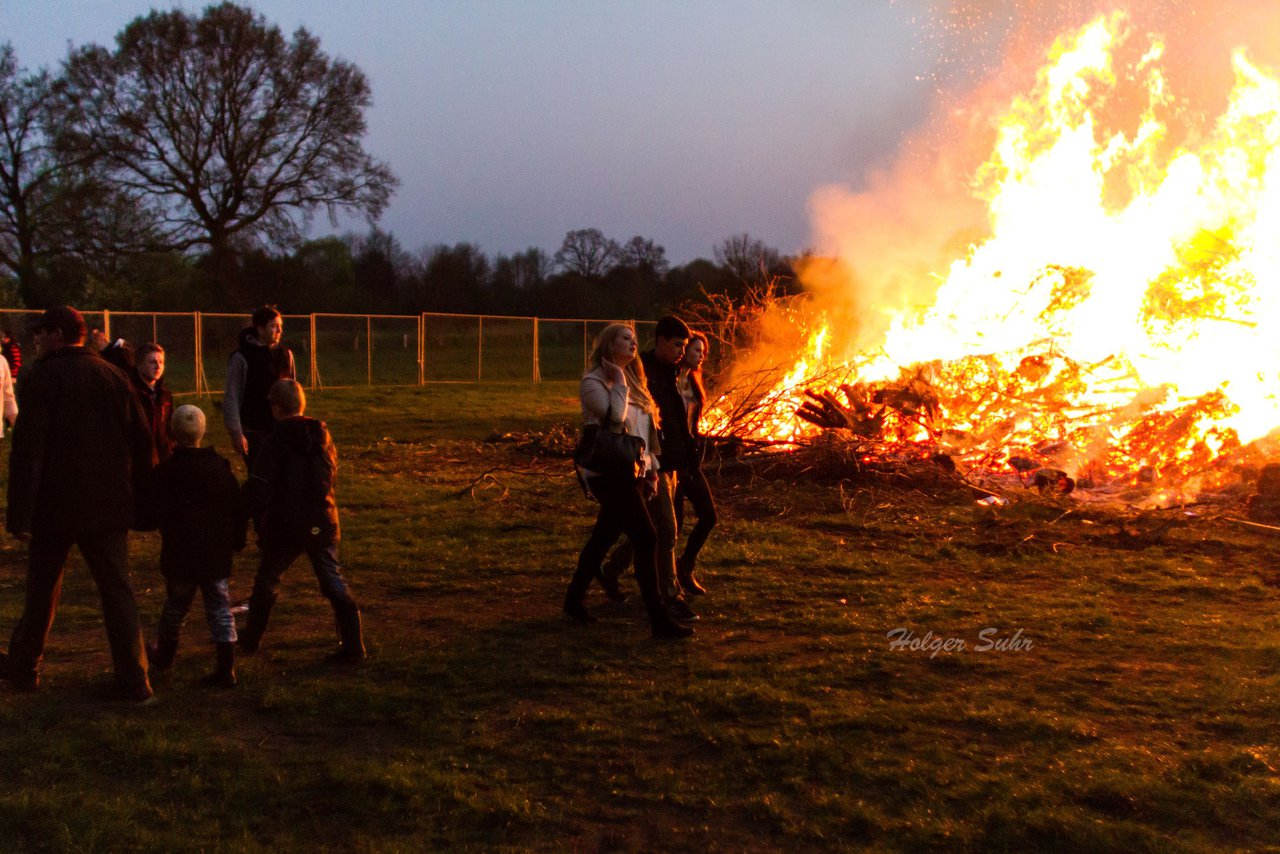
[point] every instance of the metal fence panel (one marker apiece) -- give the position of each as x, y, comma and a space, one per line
332, 350
452, 346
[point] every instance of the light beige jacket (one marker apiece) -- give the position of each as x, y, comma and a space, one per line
601, 399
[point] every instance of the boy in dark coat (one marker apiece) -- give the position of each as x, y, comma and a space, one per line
202, 524
290, 493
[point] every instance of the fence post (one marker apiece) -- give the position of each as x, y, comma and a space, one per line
422, 349
106, 323
312, 372
537, 369
480, 348
368, 346
201, 386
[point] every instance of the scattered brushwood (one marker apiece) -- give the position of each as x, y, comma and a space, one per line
558, 440
841, 458
1264, 505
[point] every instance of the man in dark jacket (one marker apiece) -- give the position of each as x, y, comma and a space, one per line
253, 368
80, 449
291, 492
661, 365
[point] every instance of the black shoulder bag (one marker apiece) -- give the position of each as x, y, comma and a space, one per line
607, 453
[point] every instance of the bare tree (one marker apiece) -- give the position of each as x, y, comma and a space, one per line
748, 259
644, 254
587, 252
50, 205
226, 130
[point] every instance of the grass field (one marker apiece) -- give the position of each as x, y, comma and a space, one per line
1142, 716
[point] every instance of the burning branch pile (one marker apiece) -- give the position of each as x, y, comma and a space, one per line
1119, 321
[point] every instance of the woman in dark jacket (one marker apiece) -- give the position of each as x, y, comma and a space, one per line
692, 483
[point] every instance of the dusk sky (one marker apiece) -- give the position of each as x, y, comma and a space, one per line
510, 123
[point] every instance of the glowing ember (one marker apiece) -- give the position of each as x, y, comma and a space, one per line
1122, 313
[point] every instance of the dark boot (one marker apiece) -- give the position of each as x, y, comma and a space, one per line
161, 651
256, 626
665, 627
351, 651
21, 679
689, 584
609, 584
576, 610
225, 674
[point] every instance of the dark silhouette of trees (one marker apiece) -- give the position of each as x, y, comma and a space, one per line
29, 172
224, 130
383, 269
56, 219
454, 279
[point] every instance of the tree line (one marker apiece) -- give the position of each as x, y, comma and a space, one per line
184, 168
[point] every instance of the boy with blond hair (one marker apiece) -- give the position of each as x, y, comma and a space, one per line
197, 506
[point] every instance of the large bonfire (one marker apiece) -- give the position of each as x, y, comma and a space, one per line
1116, 319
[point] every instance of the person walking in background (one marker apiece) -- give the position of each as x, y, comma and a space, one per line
157, 402
615, 397
258, 362
81, 449
197, 507
8, 398
692, 482
11, 350
291, 492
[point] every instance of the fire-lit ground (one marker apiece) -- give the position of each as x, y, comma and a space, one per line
1123, 697
1113, 315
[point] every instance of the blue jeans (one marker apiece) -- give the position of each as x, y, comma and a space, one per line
217, 608
324, 561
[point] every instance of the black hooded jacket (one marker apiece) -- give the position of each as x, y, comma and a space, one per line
197, 506
291, 487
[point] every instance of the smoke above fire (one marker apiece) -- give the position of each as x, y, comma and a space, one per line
1081, 250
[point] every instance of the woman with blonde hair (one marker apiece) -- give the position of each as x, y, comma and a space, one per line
615, 396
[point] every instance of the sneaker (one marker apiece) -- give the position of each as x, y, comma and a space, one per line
680, 611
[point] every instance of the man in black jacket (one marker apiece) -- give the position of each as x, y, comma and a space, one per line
81, 448
661, 364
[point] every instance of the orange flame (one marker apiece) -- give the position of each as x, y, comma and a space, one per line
1123, 307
